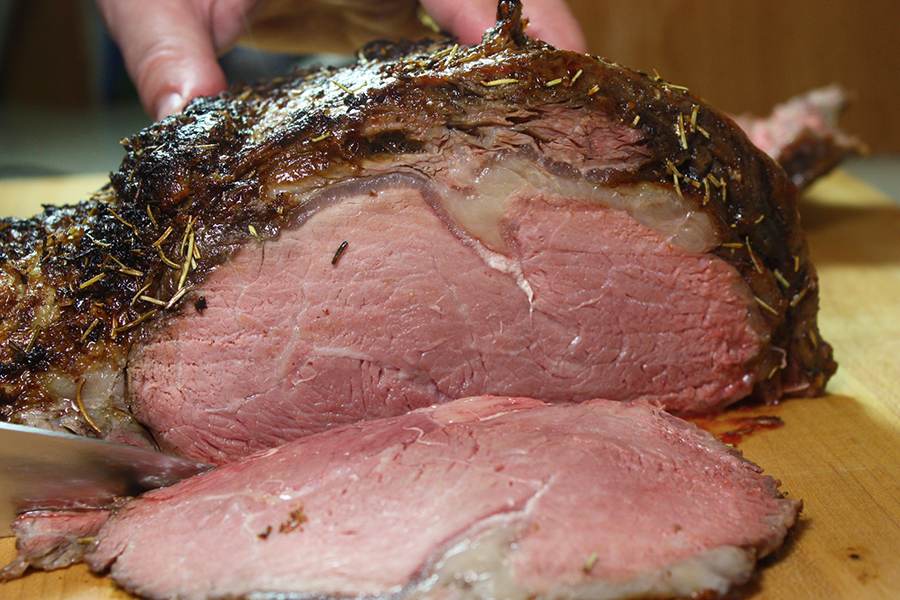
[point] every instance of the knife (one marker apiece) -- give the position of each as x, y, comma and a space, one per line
49, 470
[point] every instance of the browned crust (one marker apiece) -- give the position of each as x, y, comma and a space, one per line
199, 176
813, 155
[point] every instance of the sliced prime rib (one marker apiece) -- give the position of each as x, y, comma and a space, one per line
477, 498
434, 222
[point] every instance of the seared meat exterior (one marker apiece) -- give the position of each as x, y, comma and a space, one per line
478, 498
803, 136
433, 222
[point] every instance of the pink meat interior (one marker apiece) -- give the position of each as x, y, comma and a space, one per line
547, 292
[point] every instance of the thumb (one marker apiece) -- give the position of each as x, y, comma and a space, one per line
168, 51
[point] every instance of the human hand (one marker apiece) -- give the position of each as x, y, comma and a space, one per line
170, 47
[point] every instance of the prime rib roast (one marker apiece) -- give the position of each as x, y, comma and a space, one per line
342, 285
433, 222
479, 498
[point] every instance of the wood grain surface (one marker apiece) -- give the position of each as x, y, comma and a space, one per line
748, 56
840, 454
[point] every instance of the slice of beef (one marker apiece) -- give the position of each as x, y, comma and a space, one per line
433, 222
478, 498
803, 135
52, 540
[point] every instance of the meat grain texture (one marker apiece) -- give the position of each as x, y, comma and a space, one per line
431, 223
480, 498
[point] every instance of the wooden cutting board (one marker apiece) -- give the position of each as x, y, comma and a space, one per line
840, 454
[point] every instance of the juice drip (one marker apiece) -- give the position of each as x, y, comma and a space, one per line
732, 426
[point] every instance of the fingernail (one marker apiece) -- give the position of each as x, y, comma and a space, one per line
169, 105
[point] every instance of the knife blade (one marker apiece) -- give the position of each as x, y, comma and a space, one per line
49, 470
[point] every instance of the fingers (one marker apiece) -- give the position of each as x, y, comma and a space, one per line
170, 46
168, 50
553, 22
466, 19
549, 20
